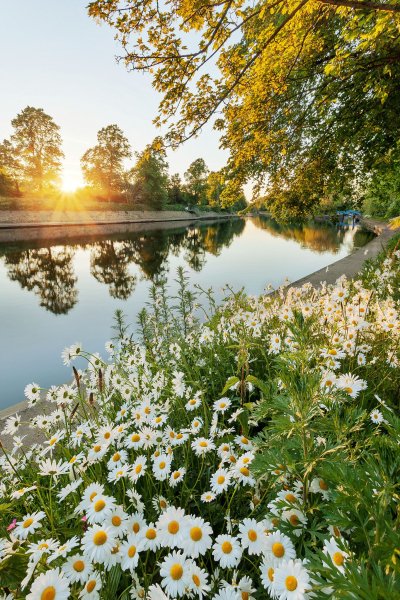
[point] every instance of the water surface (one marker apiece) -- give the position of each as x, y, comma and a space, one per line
54, 294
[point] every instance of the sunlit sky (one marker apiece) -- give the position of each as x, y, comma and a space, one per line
53, 56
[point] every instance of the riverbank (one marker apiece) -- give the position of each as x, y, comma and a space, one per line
16, 226
349, 266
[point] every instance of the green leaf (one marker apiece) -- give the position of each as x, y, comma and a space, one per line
231, 381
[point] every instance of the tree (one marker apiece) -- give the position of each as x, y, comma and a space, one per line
176, 193
150, 176
196, 181
288, 82
224, 192
10, 169
36, 145
103, 165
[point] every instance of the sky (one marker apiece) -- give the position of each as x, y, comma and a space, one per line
53, 56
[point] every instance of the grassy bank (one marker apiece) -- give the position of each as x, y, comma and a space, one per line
250, 456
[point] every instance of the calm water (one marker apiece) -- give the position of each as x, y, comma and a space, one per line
53, 295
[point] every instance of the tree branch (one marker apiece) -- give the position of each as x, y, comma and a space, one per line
362, 5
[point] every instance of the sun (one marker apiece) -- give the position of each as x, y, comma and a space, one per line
71, 181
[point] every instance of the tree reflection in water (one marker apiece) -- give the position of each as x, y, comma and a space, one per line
49, 272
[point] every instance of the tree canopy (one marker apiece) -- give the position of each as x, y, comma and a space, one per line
301, 90
34, 152
103, 165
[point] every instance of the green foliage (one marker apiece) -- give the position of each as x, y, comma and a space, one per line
150, 177
103, 165
196, 181
325, 113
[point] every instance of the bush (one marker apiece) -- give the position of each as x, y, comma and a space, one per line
251, 456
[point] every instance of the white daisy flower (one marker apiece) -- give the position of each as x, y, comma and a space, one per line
177, 476
267, 570
117, 520
198, 538
202, 446
376, 417
199, 581
129, 551
50, 585
175, 571
252, 536
162, 466
207, 497
136, 524
92, 587
29, 524
227, 551
220, 481
222, 405
98, 543
279, 547
150, 539
172, 527
77, 568
100, 508
291, 580
337, 555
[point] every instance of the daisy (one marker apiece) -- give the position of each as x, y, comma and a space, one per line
100, 508
296, 518
50, 585
177, 476
38, 549
267, 568
252, 536
337, 555
279, 547
136, 523
150, 539
22, 491
196, 425
52, 468
376, 417
201, 446
162, 466
199, 581
222, 405
134, 440
207, 497
220, 481
98, 542
172, 527
117, 459
96, 452
118, 473
92, 587
243, 475
319, 486
77, 568
175, 571
243, 442
227, 551
291, 580
129, 550
117, 521
198, 539
192, 404
351, 384
160, 503
28, 525
64, 549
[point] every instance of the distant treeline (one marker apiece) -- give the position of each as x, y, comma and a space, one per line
31, 162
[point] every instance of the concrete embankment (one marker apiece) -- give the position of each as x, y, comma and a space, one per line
18, 226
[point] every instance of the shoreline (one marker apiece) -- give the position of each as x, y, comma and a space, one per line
29, 228
349, 265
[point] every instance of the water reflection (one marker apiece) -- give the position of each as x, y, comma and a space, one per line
320, 237
48, 272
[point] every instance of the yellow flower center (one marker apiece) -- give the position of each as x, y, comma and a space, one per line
291, 583
196, 534
245, 440
116, 520
323, 485
220, 479
270, 573
135, 437
52, 441
348, 389
226, 547
99, 505
79, 565
107, 435
245, 471
92, 495
252, 535
43, 546
203, 444
176, 475
163, 504
196, 580
294, 520
136, 527
91, 585
151, 534
162, 465
97, 448
173, 527
100, 538
338, 559
222, 405
48, 593
278, 549
138, 469
176, 571
72, 460
27, 523
245, 595
290, 498
131, 551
